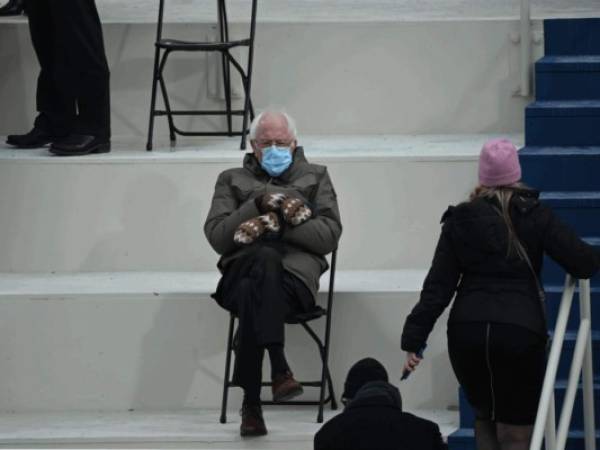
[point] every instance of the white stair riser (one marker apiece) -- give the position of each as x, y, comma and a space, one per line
160, 353
149, 217
404, 77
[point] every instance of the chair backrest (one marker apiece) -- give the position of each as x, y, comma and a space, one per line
222, 19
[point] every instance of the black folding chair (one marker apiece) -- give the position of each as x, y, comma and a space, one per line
164, 47
302, 319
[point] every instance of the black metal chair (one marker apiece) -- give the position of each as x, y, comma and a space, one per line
164, 47
302, 319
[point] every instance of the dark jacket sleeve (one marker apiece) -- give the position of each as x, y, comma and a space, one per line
320, 234
325, 438
563, 245
438, 290
225, 215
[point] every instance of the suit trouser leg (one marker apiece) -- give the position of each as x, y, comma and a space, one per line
83, 71
56, 111
257, 289
249, 355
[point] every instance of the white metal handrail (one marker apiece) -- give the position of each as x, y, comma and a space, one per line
582, 362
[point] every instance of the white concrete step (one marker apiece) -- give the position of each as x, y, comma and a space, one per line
135, 210
156, 341
289, 428
180, 285
335, 72
185, 11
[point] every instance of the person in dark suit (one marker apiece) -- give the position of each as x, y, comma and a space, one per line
73, 97
373, 417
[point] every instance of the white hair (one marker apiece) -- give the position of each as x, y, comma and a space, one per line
255, 125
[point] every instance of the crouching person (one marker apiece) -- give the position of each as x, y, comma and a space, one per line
373, 417
272, 221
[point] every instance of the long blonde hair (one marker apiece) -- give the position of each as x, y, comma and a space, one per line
503, 195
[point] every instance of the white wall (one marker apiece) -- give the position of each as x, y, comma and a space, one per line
419, 77
111, 213
80, 216
168, 354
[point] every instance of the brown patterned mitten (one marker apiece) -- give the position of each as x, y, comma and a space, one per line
250, 230
270, 202
295, 211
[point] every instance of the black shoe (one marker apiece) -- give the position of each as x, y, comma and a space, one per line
12, 8
36, 138
253, 423
80, 144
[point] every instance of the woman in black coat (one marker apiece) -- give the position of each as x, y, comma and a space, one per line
490, 254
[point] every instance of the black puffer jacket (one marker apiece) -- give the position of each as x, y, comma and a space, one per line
374, 420
471, 259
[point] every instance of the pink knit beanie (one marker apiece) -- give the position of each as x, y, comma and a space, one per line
499, 163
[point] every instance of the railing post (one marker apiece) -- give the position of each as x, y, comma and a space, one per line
573, 382
581, 364
550, 433
547, 395
525, 40
588, 374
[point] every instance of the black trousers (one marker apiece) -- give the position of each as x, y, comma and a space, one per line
261, 294
73, 94
500, 367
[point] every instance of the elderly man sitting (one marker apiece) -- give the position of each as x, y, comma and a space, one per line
272, 221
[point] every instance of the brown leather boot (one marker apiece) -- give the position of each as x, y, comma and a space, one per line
253, 423
285, 387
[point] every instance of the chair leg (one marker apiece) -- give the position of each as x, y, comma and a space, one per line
248, 81
224, 35
322, 392
251, 110
163, 88
227, 90
153, 100
245, 119
334, 405
325, 375
227, 370
247, 101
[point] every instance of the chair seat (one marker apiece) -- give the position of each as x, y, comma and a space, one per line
307, 316
190, 46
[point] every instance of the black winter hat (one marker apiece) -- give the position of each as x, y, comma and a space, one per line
361, 373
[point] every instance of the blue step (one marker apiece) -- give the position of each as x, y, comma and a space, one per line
568, 78
464, 439
554, 275
580, 210
561, 168
563, 123
467, 416
572, 36
577, 415
567, 356
562, 159
553, 299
